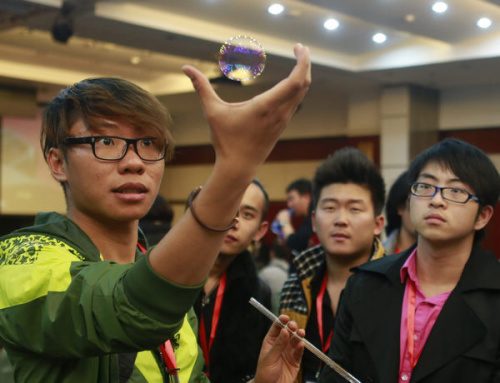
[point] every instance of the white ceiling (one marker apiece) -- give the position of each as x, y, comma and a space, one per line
434, 50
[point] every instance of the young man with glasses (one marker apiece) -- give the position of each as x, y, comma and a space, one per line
432, 313
79, 299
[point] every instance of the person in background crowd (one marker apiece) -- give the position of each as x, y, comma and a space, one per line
158, 221
275, 273
231, 330
399, 229
348, 195
298, 197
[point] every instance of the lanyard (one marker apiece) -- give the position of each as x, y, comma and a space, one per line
215, 322
167, 351
319, 311
410, 325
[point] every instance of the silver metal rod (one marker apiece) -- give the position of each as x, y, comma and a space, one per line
325, 359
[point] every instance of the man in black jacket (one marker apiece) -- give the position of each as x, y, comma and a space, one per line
429, 314
231, 330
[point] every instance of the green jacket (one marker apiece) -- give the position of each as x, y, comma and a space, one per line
66, 315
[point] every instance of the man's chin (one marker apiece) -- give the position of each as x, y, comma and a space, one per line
230, 251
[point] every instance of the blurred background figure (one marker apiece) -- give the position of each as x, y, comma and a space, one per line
158, 221
231, 331
399, 230
298, 197
275, 273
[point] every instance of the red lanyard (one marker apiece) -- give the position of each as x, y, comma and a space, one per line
410, 325
319, 312
215, 322
167, 351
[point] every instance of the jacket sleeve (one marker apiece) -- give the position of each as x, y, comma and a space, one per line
54, 303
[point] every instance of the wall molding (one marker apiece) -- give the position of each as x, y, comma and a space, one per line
287, 150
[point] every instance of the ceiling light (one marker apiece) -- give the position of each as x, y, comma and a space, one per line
331, 24
379, 38
440, 7
275, 9
410, 18
484, 22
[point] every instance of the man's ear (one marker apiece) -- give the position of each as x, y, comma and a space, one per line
264, 225
483, 217
379, 225
57, 164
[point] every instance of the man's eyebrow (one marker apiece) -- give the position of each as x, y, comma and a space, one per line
99, 125
249, 207
350, 201
105, 124
432, 177
427, 175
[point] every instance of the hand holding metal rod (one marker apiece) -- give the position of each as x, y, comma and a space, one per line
325, 359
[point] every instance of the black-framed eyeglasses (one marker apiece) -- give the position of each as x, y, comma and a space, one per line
458, 195
113, 148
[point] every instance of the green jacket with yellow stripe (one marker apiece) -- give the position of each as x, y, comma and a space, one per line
66, 315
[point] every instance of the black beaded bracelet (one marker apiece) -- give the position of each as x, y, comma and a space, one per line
192, 196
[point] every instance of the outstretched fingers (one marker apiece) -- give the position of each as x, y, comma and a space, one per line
289, 92
202, 86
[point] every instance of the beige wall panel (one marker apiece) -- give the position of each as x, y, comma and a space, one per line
275, 176
473, 107
27, 187
394, 142
179, 181
364, 114
321, 114
18, 102
395, 102
496, 159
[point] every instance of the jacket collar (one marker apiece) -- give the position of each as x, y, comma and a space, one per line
243, 266
310, 261
480, 272
61, 227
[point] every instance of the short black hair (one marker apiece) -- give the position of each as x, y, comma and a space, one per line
398, 195
350, 165
266, 198
469, 163
302, 185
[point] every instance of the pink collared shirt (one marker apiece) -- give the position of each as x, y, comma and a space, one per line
426, 313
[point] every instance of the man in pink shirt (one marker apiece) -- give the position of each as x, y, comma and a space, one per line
432, 313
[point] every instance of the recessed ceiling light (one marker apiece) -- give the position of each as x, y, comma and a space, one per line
275, 9
379, 38
331, 24
483, 22
410, 18
440, 7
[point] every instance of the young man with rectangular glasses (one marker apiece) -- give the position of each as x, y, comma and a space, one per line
430, 314
79, 301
